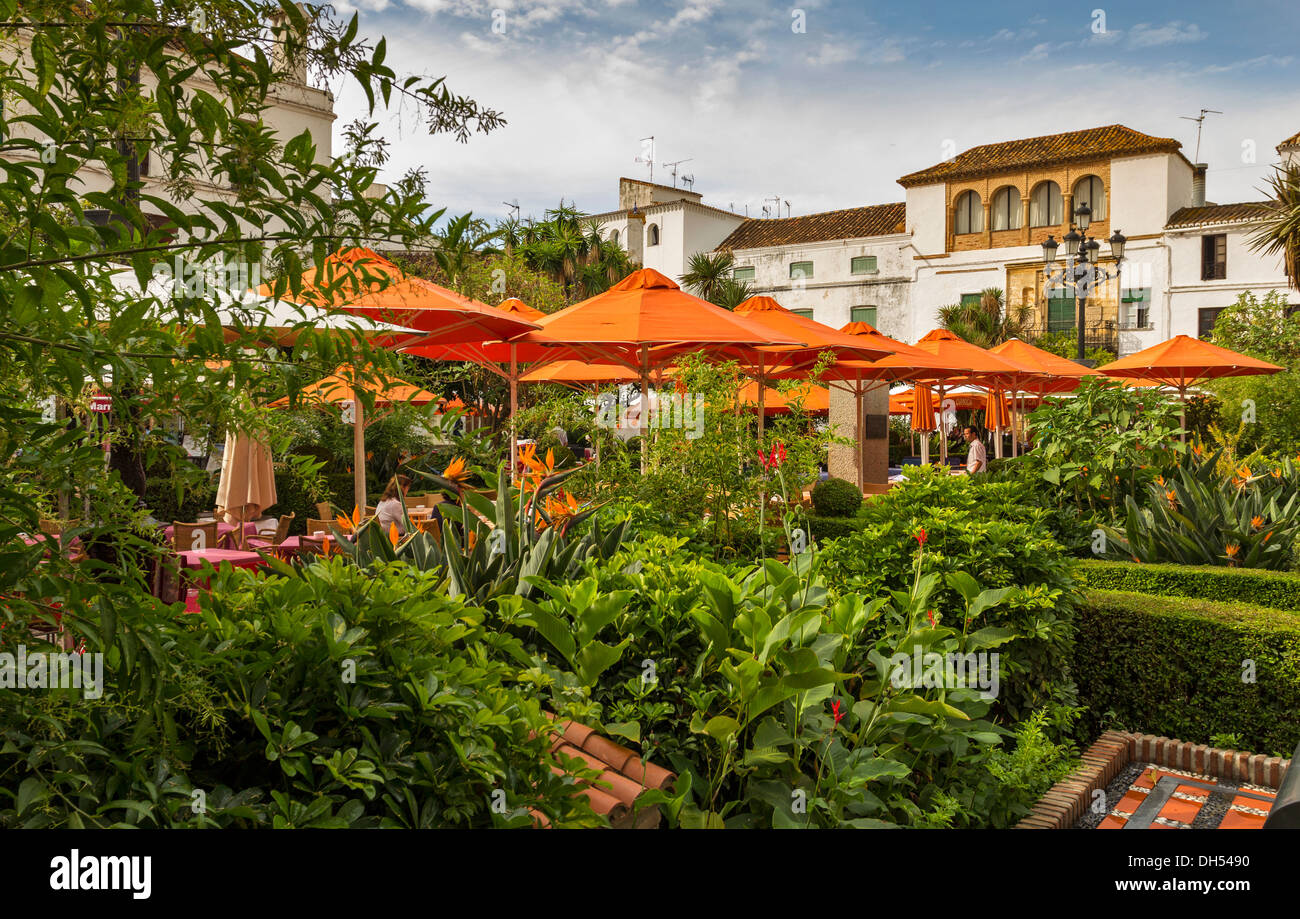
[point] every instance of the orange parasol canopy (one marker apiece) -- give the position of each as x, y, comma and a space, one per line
343, 383
981, 367
364, 283
1183, 361
903, 403
516, 307
996, 415
579, 372
923, 409
817, 337
816, 399
1061, 373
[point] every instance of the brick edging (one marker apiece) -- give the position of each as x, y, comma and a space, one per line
1064, 803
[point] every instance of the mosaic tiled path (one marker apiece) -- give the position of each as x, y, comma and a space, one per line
1157, 797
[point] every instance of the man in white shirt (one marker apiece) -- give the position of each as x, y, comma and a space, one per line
977, 459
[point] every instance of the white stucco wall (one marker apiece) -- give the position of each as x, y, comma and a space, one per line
1246, 270
927, 217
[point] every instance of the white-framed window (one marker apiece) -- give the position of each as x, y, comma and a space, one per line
1091, 192
1046, 206
802, 270
862, 264
865, 314
1004, 212
1135, 308
970, 213
652, 235
742, 273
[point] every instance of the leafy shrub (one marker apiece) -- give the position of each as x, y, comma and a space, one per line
564, 457
1274, 589
826, 528
1174, 667
976, 528
325, 696
836, 498
195, 498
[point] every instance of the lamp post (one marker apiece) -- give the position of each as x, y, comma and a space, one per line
1081, 271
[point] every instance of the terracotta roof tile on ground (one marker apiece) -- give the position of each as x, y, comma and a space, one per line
623, 776
1048, 150
851, 223
1217, 213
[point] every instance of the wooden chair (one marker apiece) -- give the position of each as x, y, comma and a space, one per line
432, 527
315, 527
269, 539
187, 537
325, 510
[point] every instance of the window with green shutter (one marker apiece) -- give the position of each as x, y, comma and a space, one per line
807, 314
1061, 316
743, 274
863, 264
801, 270
865, 314
970, 299
1135, 308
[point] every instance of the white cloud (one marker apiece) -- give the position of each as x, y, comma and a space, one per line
1145, 35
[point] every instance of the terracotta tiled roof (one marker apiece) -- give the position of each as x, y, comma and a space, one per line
623, 776
852, 223
1049, 150
1292, 141
1217, 213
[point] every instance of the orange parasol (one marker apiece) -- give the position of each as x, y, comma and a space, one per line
816, 400
996, 415
1182, 362
579, 372
342, 386
364, 283
1061, 373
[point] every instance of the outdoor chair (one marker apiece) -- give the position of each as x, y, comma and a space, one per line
270, 539
432, 527
189, 537
325, 510
315, 527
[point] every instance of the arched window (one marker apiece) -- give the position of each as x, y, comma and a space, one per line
613, 237
1046, 206
1005, 211
652, 234
970, 213
1090, 191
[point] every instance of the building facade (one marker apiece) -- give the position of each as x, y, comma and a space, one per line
978, 221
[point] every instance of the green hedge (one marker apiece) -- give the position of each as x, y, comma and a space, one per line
1173, 666
1275, 589
834, 527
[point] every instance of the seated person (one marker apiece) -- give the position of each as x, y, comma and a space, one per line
389, 509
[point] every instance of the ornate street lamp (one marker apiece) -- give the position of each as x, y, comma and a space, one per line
1081, 271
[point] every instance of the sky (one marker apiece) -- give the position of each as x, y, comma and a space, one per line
821, 103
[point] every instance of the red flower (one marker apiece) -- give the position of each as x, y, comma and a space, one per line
778, 455
920, 536
762, 457
835, 711
931, 615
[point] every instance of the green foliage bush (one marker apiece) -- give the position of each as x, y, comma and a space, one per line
826, 528
197, 495
326, 696
1255, 586
978, 528
1174, 666
836, 498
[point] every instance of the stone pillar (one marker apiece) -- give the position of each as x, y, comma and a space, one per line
843, 459
1024, 221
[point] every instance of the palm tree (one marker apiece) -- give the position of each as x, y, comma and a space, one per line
463, 242
708, 273
987, 323
1279, 233
731, 293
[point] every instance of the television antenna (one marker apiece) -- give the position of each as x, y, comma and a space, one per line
649, 158
787, 208
514, 206
775, 209
1200, 122
672, 168
689, 182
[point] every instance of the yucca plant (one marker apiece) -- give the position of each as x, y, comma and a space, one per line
1199, 516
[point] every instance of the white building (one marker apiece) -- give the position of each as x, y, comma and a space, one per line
978, 221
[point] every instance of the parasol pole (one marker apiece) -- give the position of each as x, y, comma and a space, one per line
762, 400
943, 434
514, 409
359, 453
862, 451
644, 419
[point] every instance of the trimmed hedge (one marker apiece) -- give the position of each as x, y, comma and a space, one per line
1257, 586
1174, 665
834, 527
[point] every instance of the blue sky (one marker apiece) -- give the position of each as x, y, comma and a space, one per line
829, 116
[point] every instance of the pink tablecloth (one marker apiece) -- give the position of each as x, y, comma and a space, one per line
235, 557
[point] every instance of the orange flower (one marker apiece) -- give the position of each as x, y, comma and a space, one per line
1244, 472
457, 471
1196, 448
1232, 549
325, 547
392, 534
1256, 522
1277, 473
1171, 496
1160, 480
473, 538
344, 523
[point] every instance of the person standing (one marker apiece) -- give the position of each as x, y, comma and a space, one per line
977, 457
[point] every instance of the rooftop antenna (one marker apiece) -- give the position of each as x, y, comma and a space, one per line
776, 206
648, 157
787, 208
689, 182
672, 168
1200, 122
514, 206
